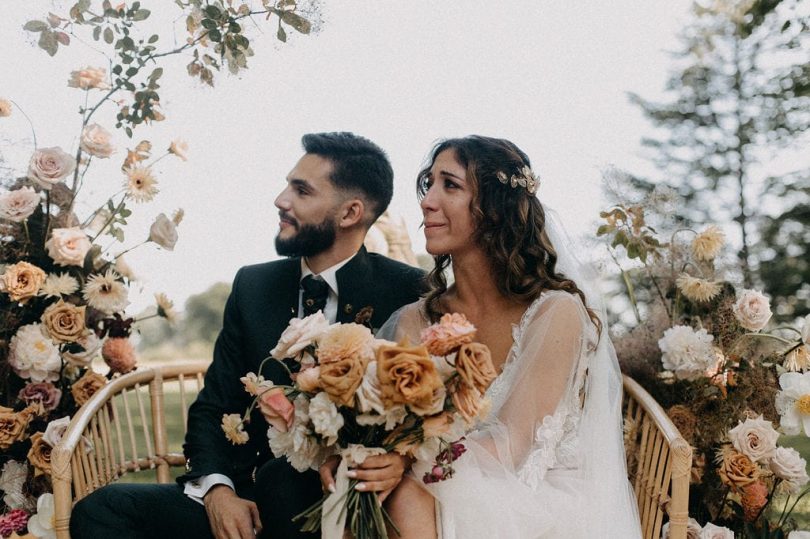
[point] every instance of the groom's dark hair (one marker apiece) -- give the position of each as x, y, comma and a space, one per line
360, 166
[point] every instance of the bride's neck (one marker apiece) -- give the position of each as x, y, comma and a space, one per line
474, 281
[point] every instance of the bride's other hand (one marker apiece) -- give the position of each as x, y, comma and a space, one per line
380, 473
327, 473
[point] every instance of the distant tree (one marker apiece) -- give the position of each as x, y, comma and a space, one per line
738, 102
203, 314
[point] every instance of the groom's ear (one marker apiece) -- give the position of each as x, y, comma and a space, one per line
352, 212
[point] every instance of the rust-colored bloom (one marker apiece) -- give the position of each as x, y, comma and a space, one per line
735, 469
64, 322
14, 424
449, 333
86, 386
754, 498
22, 281
466, 399
119, 354
474, 365
340, 379
407, 376
40, 455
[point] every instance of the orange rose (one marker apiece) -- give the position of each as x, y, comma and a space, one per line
340, 379
474, 365
466, 399
736, 470
40, 455
13, 424
407, 376
86, 386
64, 322
22, 281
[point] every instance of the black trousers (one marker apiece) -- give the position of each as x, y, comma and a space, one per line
149, 511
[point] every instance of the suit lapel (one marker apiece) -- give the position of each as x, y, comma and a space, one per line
355, 287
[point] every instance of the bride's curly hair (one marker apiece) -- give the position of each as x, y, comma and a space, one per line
510, 224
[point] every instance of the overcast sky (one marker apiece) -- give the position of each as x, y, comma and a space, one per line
551, 76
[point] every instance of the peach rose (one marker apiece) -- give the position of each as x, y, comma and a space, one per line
40, 455
68, 246
14, 424
97, 141
119, 354
755, 437
277, 409
89, 78
449, 333
64, 322
340, 379
22, 281
49, 166
407, 376
474, 365
736, 470
309, 380
87, 386
344, 341
19, 204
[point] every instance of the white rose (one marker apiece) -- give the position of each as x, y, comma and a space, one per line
686, 352
752, 310
32, 355
163, 232
50, 166
326, 420
97, 141
92, 346
19, 204
806, 330
68, 246
300, 333
712, 531
786, 463
55, 430
754, 438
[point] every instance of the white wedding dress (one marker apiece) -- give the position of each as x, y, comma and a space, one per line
549, 459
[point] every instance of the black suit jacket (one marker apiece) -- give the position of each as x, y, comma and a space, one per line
263, 300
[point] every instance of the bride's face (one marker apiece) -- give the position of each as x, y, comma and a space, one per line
449, 226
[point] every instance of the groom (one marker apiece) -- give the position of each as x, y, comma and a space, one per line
333, 195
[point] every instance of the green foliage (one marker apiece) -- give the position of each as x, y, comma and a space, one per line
203, 314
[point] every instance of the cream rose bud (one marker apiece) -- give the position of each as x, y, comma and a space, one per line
179, 148
49, 166
5, 108
806, 330
163, 232
68, 246
97, 141
18, 205
752, 310
89, 78
754, 438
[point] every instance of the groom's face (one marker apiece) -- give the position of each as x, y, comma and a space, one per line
308, 209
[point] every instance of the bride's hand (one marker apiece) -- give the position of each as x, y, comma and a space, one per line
327, 473
380, 473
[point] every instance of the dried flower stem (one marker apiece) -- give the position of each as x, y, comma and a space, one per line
110, 219
30, 123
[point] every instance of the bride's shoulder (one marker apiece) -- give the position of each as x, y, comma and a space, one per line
560, 307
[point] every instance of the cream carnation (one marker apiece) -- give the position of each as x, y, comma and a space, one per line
300, 333
686, 352
793, 402
97, 141
255, 384
297, 445
179, 148
68, 246
5, 108
163, 232
234, 429
106, 293
12, 480
326, 420
50, 166
58, 285
754, 438
18, 205
89, 78
708, 243
346, 341
140, 184
752, 310
787, 464
32, 355
699, 290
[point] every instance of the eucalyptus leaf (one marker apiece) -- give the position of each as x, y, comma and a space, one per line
141, 14
108, 35
296, 21
48, 42
36, 26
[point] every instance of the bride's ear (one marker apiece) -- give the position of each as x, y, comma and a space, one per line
352, 212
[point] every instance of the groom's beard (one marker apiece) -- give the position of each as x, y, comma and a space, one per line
309, 240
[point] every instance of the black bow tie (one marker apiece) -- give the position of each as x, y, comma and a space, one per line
315, 293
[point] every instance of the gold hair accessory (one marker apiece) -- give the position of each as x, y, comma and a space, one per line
526, 178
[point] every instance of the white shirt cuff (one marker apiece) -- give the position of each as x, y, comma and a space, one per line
196, 489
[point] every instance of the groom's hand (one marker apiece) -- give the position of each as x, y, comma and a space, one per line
230, 516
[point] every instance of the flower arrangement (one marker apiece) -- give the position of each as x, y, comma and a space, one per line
357, 396
64, 281
701, 349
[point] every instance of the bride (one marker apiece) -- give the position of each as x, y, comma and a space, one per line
549, 460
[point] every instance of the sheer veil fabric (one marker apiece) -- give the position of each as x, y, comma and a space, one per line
549, 460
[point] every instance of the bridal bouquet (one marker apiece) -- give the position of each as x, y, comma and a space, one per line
730, 386
357, 396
